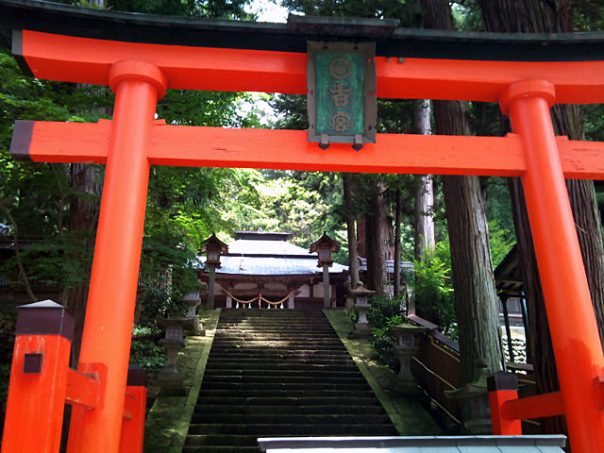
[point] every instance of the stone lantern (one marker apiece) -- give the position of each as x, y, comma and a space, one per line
324, 247
360, 296
169, 377
213, 247
192, 300
408, 338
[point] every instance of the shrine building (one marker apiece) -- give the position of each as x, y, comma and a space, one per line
265, 270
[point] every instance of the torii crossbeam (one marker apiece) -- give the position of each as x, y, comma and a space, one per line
140, 57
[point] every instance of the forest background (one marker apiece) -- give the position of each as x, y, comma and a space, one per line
49, 211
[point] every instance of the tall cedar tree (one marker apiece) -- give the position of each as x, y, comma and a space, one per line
476, 303
424, 201
538, 16
350, 229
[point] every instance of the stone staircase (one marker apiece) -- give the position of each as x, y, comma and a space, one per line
274, 373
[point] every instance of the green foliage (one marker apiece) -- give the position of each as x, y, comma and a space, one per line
434, 288
383, 314
383, 308
145, 350
501, 241
184, 205
406, 10
499, 204
156, 303
223, 9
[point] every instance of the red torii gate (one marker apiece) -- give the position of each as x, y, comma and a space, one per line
140, 72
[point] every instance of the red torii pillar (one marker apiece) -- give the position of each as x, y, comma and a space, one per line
115, 267
575, 336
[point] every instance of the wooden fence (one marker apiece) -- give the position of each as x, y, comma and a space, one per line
437, 370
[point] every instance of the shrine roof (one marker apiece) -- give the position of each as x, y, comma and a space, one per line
391, 41
257, 265
267, 247
262, 253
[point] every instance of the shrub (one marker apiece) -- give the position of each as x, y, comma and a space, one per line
145, 350
434, 288
383, 314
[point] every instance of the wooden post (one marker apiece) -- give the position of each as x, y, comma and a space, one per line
38, 379
135, 404
211, 286
326, 291
503, 387
506, 320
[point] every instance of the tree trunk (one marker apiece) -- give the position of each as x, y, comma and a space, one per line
538, 16
84, 212
476, 303
397, 244
424, 203
378, 240
353, 261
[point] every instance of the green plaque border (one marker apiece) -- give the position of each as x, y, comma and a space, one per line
367, 49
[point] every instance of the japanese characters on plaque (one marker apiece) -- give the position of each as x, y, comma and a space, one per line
341, 93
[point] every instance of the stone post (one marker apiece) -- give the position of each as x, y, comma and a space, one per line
474, 399
193, 300
169, 378
361, 297
408, 338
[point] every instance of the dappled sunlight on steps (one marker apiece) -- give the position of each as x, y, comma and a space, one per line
280, 373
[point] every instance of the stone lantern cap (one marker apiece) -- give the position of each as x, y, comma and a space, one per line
191, 296
324, 246
360, 290
407, 328
211, 246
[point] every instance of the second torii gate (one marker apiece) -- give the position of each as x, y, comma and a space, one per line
140, 65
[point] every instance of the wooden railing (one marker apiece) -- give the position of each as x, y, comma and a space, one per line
437, 369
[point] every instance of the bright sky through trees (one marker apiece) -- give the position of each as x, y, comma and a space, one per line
268, 11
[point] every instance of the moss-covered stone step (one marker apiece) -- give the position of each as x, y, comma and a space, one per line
210, 379
298, 419
293, 401
276, 325
254, 409
260, 430
280, 373
220, 449
260, 353
284, 386
277, 349
275, 366
287, 343
314, 373
282, 357
257, 353
288, 359
268, 392
222, 440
